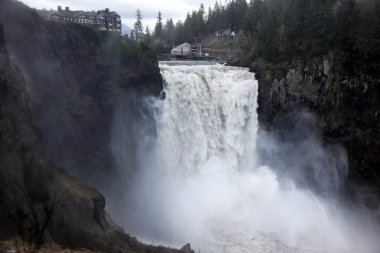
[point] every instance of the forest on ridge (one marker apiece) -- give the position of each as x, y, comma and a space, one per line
278, 30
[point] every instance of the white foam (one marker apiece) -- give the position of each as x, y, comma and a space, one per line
202, 183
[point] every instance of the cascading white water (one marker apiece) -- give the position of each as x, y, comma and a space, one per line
209, 112
202, 183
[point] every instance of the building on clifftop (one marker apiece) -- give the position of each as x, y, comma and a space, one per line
104, 20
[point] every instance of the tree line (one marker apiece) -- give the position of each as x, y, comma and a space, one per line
277, 30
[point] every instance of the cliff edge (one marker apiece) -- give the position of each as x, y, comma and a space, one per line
346, 105
58, 86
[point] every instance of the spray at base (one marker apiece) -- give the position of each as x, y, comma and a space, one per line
203, 184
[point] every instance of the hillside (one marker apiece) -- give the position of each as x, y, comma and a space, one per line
59, 85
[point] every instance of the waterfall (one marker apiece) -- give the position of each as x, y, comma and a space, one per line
198, 178
209, 112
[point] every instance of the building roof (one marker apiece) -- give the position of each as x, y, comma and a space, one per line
182, 49
110, 13
85, 14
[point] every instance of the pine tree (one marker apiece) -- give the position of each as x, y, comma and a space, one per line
318, 29
147, 31
147, 35
169, 32
158, 28
188, 28
210, 21
200, 25
179, 33
138, 26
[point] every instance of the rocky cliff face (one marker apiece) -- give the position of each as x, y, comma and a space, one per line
38, 200
74, 77
347, 108
58, 87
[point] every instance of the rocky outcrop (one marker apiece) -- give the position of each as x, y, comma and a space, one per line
74, 76
347, 108
58, 86
39, 201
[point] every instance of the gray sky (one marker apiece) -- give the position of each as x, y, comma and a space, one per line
175, 9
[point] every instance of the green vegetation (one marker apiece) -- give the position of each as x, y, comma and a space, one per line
89, 33
279, 30
138, 27
128, 50
133, 51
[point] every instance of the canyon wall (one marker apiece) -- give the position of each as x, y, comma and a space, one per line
59, 84
347, 108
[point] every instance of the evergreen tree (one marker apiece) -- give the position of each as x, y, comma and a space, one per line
169, 32
318, 27
179, 33
188, 28
278, 30
217, 16
138, 33
200, 25
158, 28
147, 31
210, 25
347, 17
367, 37
253, 17
147, 35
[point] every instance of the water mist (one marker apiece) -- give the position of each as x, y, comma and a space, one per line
197, 177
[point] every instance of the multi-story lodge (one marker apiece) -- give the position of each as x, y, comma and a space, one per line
103, 20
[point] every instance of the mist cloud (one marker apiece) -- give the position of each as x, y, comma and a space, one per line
279, 197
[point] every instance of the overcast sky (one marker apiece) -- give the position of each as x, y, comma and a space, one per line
175, 9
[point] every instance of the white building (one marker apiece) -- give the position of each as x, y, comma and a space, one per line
181, 50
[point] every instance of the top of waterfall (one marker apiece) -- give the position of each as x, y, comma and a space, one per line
188, 63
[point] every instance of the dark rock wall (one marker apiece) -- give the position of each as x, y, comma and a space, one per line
74, 76
347, 108
59, 84
33, 192
18, 142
